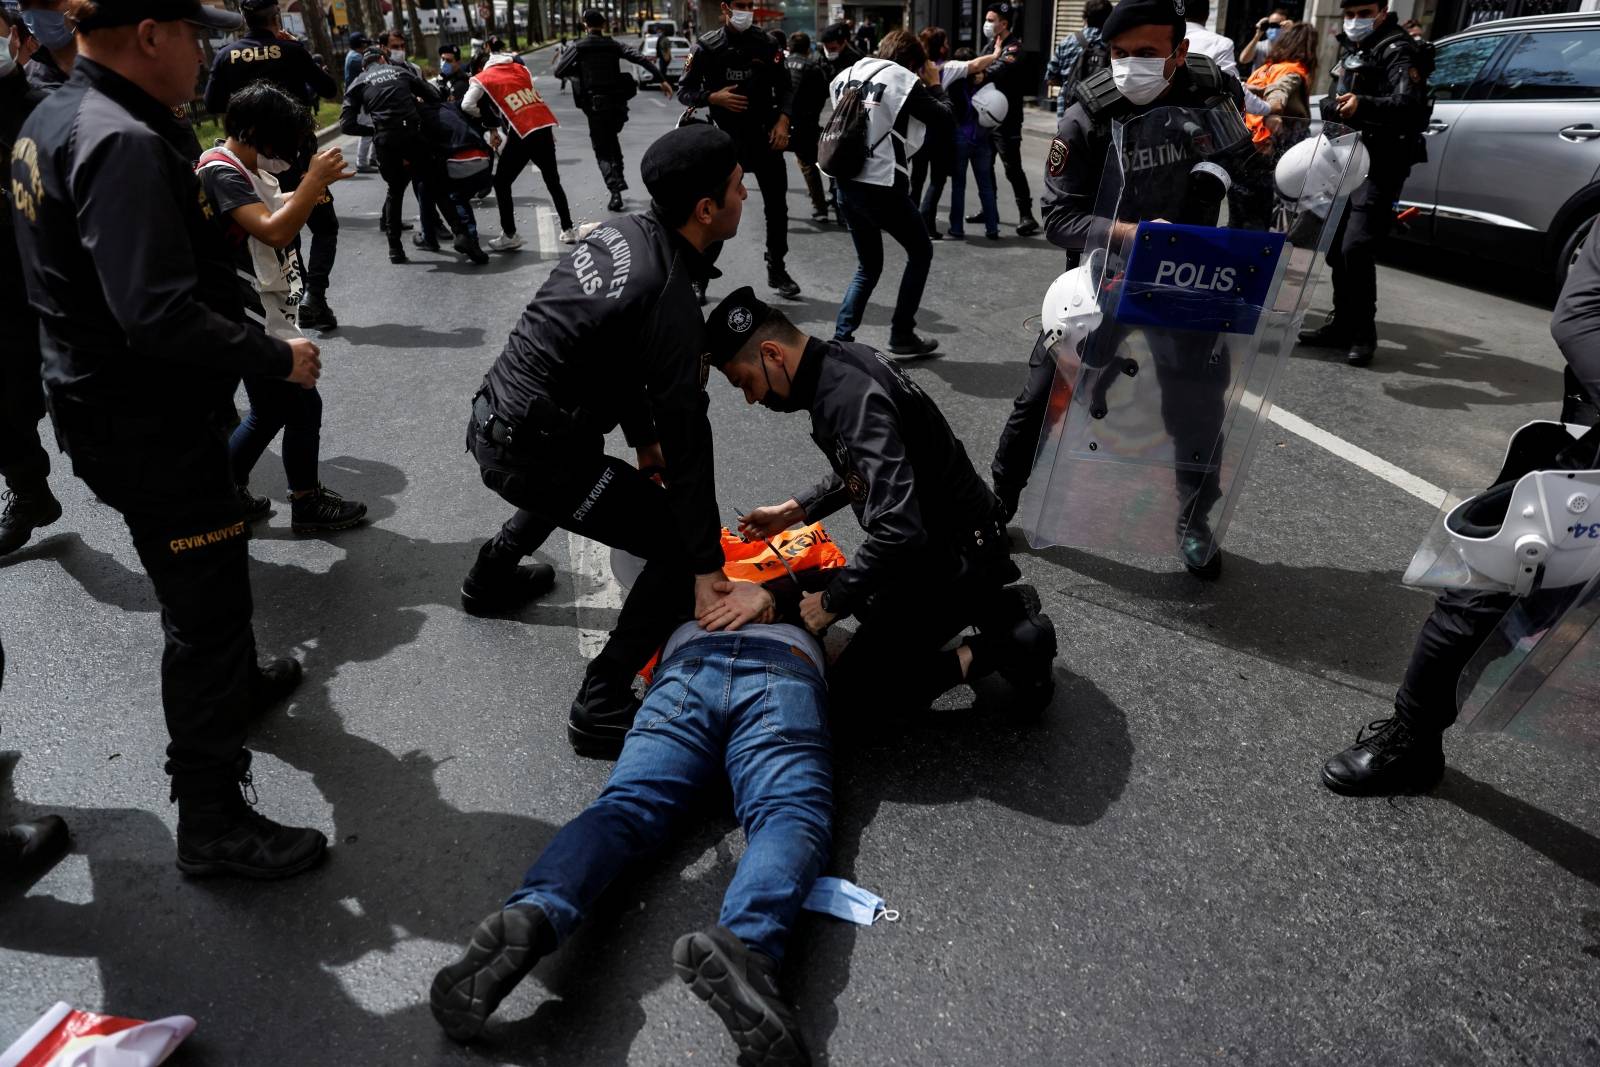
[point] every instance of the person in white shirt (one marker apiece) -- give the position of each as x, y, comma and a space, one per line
1205, 42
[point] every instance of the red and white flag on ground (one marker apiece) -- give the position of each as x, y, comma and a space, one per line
66, 1037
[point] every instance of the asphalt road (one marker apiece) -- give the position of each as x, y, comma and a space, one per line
1152, 875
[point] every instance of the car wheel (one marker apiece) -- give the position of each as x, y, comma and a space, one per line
1572, 248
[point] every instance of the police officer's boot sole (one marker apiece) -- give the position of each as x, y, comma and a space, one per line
26, 517
764, 1036
504, 948
505, 594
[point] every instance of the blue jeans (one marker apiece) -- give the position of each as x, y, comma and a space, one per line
276, 405
750, 709
973, 146
871, 211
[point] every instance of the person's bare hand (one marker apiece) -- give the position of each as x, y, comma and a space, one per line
307, 366
1347, 104
741, 603
779, 137
706, 596
651, 459
730, 100
327, 167
494, 139
769, 521
816, 617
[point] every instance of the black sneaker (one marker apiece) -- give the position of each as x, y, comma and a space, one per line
1360, 354
615, 203
1202, 556
503, 949
324, 511
255, 507
489, 590
273, 682
315, 314
1028, 227
1388, 757
25, 512
602, 714
778, 281
912, 346
423, 241
31, 848
220, 833
398, 255
1328, 335
740, 985
820, 216
467, 245
977, 217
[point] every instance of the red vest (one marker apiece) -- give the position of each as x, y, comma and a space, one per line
510, 86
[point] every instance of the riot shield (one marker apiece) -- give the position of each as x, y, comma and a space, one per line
1211, 235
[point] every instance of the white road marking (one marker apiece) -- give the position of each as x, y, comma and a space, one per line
548, 230
1420, 488
599, 595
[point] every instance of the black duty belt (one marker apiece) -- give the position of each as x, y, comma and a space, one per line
491, 425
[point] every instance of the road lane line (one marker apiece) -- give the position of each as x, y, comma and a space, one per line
548, 244
598, 593
1420, 488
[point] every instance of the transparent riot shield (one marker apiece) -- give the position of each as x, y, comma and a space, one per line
1208, 235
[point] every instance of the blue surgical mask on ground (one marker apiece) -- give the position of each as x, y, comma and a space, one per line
847, 901
1359, 29
50, 27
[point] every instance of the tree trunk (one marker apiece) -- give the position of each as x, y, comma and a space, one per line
511, 24
536, 25
472, 23
316, 21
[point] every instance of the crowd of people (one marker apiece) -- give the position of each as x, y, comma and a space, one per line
148, 277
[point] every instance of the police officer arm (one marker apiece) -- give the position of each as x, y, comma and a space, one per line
318, 80
350, 115
1576, 323
692, 91
677, 415
633, 55
1071, 184
135, 231
563, 65
1404, 108
930, 105
423, 89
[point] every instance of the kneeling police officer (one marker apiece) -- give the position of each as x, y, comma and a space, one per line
1151, 68
614, 337
936, 559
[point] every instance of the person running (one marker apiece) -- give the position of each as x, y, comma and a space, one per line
259, 225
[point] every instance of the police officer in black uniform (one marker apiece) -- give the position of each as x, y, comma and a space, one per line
392, 97
1381, 89
614, 337
603, 91
268, 52
809, 81
1010, 75
1073, 168
144, 342
936, 559
453, 73
738, 73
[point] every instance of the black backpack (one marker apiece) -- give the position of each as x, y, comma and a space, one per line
1093, 57
842, 150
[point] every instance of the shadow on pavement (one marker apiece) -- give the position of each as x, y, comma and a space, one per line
398, 335
1574, 850
1532, 287
989, 381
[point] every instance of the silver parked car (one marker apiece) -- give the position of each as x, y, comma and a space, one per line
1513, 170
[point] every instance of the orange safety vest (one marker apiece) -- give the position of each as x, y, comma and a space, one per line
510, 86
1261, 78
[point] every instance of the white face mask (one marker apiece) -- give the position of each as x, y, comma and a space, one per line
741, 20
1359, 29
1140, 80
271, 165
8, 62
988, 30
398, 55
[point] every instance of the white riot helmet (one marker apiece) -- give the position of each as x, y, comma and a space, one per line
1320, 168
990, 105
1071, 308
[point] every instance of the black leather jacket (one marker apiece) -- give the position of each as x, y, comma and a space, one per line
749, 62
134, 287
389, 95
595, 61
1382, 70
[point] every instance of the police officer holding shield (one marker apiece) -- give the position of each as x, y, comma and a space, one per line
267, 52
144, 344
614, 337
603, 91
1151, 68
1380, 89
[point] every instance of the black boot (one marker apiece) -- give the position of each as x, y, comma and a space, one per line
503, 949
426, 241
615, 203
26, 509
31, 848
255, 507
1388, 757
602, 713
912, 346
1029, 225
1360, 353
1329, 335
315, 314
397, 253
740, 984
1202, 556
496, 587
324, 511
220, 833
467, 245
778, 280
1022, 648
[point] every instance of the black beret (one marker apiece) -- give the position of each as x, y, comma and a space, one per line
838, 31
358, 40
731, 323
255, 6
1131, 14
1007, 11
686, 165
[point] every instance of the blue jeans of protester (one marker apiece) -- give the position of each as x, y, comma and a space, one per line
276, 405
747, 709
872, 211
972, 146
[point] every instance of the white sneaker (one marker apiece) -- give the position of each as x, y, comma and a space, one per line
569, 236
505, 244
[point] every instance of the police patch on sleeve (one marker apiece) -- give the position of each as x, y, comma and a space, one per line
856, 486
1415, 75
1057, 162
